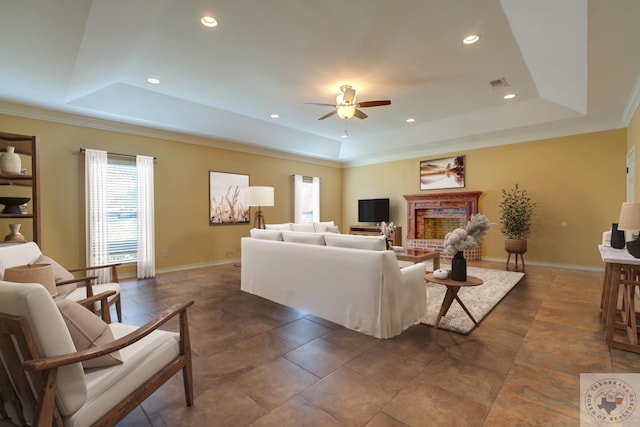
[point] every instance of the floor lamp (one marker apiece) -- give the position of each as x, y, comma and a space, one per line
258, 196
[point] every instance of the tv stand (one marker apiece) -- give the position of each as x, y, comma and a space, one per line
373, 230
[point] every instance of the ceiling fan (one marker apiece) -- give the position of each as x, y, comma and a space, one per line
346, 105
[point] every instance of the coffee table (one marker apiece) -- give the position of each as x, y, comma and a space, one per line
453, 287
416, 256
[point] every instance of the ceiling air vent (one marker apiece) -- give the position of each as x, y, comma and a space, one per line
497, 83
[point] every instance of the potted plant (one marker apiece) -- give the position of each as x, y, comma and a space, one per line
516, 213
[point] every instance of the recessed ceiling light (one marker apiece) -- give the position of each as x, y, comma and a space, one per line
275, 116
411, 120
471, 39
209, 21
154, 80
510, 96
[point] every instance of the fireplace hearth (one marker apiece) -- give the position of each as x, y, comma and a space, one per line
430, 217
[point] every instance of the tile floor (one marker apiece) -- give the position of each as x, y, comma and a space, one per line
257, 363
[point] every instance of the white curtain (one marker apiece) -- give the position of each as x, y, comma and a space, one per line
299, 198
316, 199
95, 168
146, 229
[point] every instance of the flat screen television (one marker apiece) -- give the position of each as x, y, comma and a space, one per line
373, 210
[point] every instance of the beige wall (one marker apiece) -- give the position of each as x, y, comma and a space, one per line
633, 141
578, 179
181, 190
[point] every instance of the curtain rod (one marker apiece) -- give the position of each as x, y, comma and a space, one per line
82, 150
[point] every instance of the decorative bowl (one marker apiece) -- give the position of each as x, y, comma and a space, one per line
12, 204
440, 274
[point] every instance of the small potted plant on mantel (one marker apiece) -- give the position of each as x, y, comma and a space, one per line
516, 213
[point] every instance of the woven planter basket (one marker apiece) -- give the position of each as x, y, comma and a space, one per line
515, 246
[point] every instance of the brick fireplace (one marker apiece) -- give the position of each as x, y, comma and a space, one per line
431, 216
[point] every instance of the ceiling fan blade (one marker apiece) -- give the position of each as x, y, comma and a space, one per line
359, 114
372, 103
320, 104
328, 115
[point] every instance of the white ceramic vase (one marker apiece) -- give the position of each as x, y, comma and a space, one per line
10, 162
15, 235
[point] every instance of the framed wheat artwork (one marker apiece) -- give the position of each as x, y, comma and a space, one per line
447, 172
226, 198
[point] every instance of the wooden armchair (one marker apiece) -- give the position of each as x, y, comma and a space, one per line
42, 379
69, 286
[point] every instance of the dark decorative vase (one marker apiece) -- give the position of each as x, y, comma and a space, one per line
617, 237
459, 267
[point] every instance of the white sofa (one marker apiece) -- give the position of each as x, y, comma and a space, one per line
350, 280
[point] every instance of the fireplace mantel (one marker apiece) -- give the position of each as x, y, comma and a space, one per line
421, 202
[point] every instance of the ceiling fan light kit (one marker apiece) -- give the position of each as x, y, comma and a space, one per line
346, 111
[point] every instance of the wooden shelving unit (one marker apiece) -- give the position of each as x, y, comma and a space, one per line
27, 185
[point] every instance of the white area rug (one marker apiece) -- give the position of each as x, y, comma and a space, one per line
479, 300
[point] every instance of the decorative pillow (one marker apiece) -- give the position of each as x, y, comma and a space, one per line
333, 229
306, 227
258, 233
302, 237
372, 243
285, 226
59, 272
87, 331
321, 227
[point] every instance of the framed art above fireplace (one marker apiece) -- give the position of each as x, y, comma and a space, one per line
447, 172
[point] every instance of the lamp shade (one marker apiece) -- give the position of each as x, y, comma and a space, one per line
258, 196
629, 216
33, 273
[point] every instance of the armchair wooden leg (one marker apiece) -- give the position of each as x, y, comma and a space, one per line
185, 349
119, 308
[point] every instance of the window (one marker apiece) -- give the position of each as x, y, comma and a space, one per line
122, 211
119, 212
307, 199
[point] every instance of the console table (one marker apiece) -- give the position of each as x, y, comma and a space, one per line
622, 272
373, 230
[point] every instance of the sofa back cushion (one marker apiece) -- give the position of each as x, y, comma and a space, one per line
285, 226
322, 227
17, 254
306, 227
51, 337
372, 243
258, 233
301, 237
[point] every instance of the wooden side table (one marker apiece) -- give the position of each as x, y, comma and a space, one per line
622, 273
453, 287
415, 256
